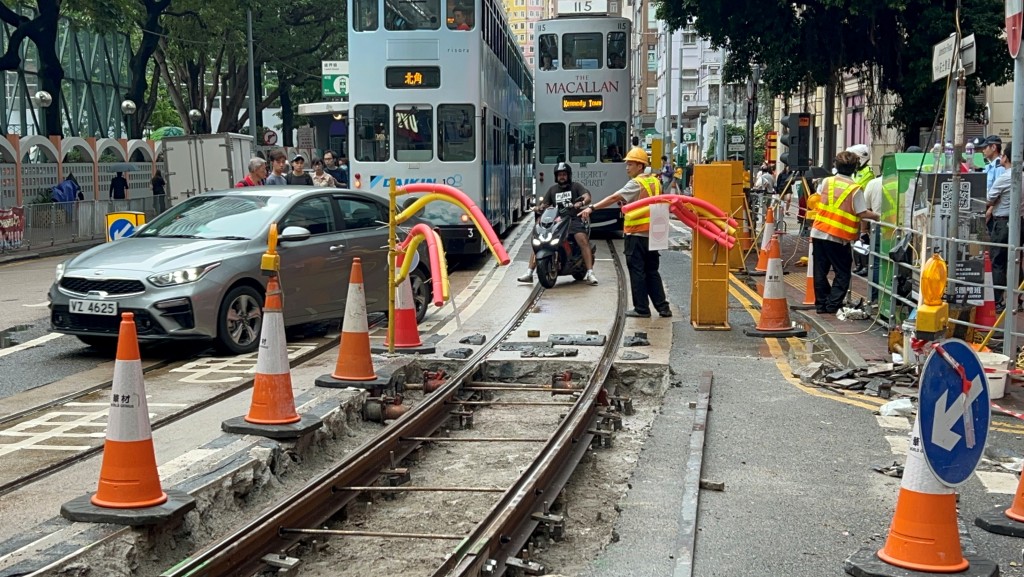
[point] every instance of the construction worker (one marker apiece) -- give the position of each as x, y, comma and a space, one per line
864, 174
836, 226
644, 278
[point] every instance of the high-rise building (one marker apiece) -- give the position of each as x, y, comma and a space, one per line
522, 17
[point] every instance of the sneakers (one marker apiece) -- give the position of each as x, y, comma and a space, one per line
590, 278
528, 277
636, 314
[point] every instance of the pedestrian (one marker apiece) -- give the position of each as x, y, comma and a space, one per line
321, 178
277, 162
837, 224
667, 175
119, 190
998, 213
257, 173
644, 278
873, 197
333, 168
298, 175
159, 190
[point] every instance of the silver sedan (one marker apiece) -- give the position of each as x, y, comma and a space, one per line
194, 271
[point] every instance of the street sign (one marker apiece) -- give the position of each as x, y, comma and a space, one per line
968, 54
305, 137
270, 137
736, 139
1014, 23
334, 78
942, 56
736, 147
123, 224
689, 136
954, 424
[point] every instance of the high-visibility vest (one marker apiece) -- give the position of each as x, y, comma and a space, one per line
640, 221
835, 211
863, 177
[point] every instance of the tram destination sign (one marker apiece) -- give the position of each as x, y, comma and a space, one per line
412, 77
582, 7
583, 103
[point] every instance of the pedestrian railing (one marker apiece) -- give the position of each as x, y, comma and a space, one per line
59, 223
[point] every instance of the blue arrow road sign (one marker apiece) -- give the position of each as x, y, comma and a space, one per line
121, 228
954, 424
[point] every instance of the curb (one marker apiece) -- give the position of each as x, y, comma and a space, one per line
846, 355
58, 250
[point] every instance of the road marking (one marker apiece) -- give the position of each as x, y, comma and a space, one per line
184, 461
894, 423
899, 445
28, 345
37, 305
998, 482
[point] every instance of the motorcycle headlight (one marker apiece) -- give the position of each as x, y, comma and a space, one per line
60, 271
181, 276
553, 242
536, 242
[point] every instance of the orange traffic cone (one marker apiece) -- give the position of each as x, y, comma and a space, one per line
767, 236
128, 476
924, 535
808, 302
407, 334
774, 321
355, 365
272, 411
986, 313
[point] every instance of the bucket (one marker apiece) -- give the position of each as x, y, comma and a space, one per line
996, 372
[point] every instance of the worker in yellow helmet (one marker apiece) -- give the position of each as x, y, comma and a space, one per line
644, 278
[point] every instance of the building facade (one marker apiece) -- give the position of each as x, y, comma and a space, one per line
522, 17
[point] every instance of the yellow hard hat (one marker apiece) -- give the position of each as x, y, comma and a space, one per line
638, 154
813, 201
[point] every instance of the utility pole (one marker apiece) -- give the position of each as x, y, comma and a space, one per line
667, 135
679, 116
1016, 157
252, 80
755, 78
720, 142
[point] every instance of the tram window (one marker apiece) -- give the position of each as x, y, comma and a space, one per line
414, 139
613, 141
372, 129
581, 51
412, 14
617, 50
547, 47
460, 17
582, 142
551, 143
366, 15
456, 140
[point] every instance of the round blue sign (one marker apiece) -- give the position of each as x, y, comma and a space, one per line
954, 411
121, 228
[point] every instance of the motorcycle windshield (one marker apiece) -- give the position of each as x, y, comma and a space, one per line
549, 216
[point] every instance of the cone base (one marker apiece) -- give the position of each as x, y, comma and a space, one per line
305, 425
423, 349
82, 509
330, 382
757, 272
865, 563
780, 334
996, 521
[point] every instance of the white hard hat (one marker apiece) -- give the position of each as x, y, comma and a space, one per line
862, 151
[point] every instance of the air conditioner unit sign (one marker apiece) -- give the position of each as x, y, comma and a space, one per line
582, 103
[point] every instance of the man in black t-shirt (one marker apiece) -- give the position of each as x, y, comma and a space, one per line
569, 197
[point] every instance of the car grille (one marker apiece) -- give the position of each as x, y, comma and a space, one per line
62, 319
109, 286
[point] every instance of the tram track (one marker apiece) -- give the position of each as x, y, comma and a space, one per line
496, 539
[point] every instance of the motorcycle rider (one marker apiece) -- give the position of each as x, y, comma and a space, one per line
569, 197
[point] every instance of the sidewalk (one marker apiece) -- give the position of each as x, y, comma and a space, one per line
47, 251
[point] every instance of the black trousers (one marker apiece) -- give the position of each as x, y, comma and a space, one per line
1000, 234
644, 278
838, 258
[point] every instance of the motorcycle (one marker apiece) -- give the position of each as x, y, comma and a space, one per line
556, 250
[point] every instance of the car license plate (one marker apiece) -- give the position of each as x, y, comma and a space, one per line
84, 307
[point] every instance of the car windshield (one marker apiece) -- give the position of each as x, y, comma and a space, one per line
216, 217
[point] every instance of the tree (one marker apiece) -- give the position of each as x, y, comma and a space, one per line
144, 74
817, 42
41, 29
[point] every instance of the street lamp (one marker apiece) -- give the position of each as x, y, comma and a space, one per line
128, 108
196, 117
44, 99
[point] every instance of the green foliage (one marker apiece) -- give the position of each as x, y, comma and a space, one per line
816, 42
164, 113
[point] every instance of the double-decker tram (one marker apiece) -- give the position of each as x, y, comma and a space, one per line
582, 104
440, 92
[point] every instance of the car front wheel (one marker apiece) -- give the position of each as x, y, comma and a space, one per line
239, 321
421, 292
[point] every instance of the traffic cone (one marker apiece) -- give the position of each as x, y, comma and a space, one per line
407, 334
355, 365
272, 410
129, 480
774, 320
986, 313
808, 303
1003, 521
766, 238
924, 535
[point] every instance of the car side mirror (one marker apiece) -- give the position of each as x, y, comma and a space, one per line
294, 234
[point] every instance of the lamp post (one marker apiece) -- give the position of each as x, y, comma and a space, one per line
195, 116
128, 109
44, 100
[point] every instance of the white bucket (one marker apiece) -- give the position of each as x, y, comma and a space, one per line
996, 372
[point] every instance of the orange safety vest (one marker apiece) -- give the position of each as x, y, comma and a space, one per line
835, 214
641, 221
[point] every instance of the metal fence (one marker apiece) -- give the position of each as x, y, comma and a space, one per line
58, 223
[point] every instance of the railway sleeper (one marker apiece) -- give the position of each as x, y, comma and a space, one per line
623, 405
602, 438
461, 419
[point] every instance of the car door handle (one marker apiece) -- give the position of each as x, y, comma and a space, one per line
337, 247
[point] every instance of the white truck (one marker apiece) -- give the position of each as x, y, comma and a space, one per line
202, 162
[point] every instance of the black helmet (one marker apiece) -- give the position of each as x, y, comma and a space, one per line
563, 167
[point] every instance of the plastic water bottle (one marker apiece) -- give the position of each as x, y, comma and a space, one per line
969, 151
948, 165
937, 158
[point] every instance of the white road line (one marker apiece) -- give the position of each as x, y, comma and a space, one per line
894, 423
33, 343
184, 461
996, 482
898, 444
37, 305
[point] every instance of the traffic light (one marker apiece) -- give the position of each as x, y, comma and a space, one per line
796, 135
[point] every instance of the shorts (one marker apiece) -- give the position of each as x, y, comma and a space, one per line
576, 224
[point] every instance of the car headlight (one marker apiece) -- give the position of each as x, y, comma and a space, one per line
181, 276
60, 271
